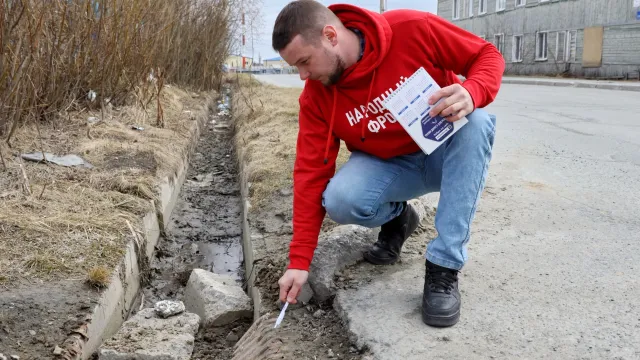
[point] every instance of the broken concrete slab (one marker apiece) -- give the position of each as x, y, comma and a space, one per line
342, 247
148, 337
216, 298
306, 293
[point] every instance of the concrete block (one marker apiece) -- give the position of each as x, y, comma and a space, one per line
341, 247
344, 246
217, 299
306, 293
149, 337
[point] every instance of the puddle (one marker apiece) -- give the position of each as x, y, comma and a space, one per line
221, 258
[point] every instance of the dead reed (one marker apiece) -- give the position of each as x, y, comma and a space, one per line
63, 55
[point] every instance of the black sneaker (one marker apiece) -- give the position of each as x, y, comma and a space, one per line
441, 298
392, 236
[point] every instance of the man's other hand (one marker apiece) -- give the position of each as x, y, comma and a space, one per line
456, 103
291, 284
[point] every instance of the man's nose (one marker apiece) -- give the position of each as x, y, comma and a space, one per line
304, 75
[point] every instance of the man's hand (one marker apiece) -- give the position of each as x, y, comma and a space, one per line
291, 283
456, 103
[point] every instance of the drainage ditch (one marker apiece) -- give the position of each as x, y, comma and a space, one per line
204, 232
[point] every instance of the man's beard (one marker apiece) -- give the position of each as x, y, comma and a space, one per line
334, 77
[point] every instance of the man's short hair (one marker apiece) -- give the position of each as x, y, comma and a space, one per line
301, 17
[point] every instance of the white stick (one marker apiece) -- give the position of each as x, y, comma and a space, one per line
281, 316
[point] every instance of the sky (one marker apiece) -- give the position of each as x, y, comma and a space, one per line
262, 44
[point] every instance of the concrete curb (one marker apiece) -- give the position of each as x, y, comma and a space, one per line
590, 84
115, 303
247, 239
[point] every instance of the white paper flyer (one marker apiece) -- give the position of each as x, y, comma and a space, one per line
409, 104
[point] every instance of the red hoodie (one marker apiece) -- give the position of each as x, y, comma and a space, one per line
398, 43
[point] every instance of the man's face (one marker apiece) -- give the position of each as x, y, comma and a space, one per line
315, 61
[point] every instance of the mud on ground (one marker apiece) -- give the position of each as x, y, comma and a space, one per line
204, 230
36, 319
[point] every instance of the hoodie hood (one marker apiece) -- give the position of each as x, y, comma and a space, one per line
377, 33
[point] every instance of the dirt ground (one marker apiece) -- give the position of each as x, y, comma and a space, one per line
217, 343
63, 229
36, 319
310, 330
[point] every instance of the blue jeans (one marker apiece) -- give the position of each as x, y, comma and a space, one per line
370, 191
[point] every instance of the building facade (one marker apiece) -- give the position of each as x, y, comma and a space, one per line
276, 62
586, 38
238, 62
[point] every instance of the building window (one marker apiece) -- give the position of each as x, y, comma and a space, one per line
561, 46
456, 9
521, 3
571, 45
516, 51
498, 41
470, 8
501, 5
482, 7
541, 46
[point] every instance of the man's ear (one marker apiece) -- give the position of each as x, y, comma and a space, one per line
330, 33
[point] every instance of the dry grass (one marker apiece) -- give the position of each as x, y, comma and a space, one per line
99, 277
62, 62
266, 120
54, 52
71, 220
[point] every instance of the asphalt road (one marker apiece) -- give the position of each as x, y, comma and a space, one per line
555, 247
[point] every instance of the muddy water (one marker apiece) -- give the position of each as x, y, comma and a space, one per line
205, 228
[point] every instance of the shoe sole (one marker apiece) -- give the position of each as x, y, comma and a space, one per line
440, 321
378, 261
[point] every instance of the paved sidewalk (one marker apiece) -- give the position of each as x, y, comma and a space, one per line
293, 80
580, 83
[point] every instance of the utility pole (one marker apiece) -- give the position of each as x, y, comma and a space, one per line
242, 51
383, 6
252, 48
